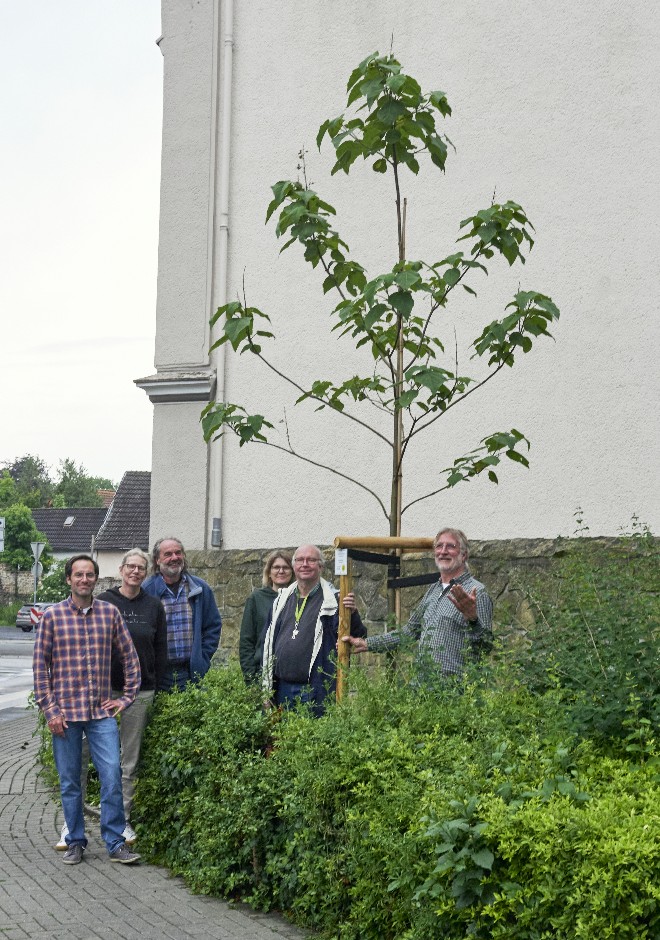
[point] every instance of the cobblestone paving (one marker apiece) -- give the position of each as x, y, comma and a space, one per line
42, 899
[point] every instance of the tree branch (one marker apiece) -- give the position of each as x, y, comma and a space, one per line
322, 401
428, 496
422, 427
289, 450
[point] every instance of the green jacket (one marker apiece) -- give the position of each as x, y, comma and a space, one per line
256, 615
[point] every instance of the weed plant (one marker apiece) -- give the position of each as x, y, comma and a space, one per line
597, 632
8, 614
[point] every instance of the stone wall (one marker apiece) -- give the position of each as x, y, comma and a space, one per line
501, 565
15, 586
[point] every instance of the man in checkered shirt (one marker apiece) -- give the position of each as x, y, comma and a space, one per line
454, 619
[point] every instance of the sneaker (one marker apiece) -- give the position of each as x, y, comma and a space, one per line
62, 846
124, 856
129, 834
73, 854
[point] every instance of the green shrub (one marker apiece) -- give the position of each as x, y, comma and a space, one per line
53, 585
407, 812
597, 632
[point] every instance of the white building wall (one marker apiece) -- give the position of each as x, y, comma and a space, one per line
108, 563
555, 106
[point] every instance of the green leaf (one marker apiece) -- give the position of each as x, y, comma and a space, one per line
484, 858
390, 111
517, 458
402, 301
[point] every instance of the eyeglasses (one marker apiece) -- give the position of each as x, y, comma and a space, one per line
446, 546
280, 568
135, 567
307, 561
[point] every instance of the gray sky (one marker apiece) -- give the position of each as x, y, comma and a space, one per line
80, 99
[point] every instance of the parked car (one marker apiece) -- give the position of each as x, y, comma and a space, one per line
24, 616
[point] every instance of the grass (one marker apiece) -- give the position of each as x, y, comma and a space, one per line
8, 614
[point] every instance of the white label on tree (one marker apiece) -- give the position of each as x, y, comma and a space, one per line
341, 561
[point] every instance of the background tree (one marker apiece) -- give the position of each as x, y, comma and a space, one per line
34, 486
8, 494
411, 379
20, 531
75, 488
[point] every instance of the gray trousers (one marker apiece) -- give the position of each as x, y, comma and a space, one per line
132, 723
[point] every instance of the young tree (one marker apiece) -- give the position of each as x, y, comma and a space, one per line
409, 375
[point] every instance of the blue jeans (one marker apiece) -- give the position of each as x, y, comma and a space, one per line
176, 676
291, 693
103, 737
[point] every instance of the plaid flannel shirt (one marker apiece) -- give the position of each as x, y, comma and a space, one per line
442, 632
72, 657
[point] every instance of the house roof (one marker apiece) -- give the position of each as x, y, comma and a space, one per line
107, 496
69, 530
127, 523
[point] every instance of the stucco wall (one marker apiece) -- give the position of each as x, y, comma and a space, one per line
178, 489
108, 563
555, 106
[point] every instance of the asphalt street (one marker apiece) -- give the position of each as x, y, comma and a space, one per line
15, 672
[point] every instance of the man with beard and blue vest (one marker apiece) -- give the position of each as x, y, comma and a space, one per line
193, 618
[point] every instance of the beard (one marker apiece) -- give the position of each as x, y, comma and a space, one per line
172, 571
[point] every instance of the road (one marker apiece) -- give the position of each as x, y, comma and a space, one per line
15, 671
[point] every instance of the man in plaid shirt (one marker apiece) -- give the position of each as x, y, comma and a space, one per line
454, 618
72, 686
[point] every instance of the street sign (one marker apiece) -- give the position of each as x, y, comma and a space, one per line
37, 549
37, 569
35, 616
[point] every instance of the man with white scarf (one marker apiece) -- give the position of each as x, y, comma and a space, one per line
299, 653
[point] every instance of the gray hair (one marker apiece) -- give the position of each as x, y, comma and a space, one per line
460, 537
155, 552
135, 551
316, 549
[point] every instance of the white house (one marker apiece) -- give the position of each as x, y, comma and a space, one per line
556, 107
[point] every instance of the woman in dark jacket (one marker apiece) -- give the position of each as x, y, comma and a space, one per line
145, 618
277, 574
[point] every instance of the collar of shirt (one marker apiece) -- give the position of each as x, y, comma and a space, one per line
181, 585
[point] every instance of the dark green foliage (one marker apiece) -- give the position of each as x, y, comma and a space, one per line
76, 488
597, 632
409, 812
32, 482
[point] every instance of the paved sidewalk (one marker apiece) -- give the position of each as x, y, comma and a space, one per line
42, 899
